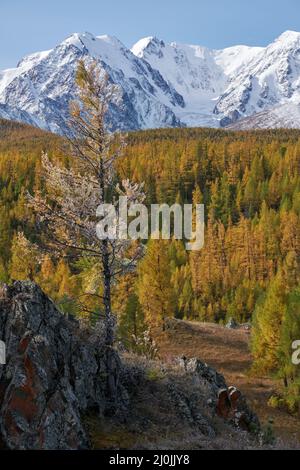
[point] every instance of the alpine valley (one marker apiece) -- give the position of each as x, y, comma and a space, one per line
161, 85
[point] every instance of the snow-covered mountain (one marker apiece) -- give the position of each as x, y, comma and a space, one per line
284, 116
40, 88
200, 75
162, 85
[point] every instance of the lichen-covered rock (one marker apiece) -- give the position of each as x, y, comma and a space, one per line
53, 373
232, 406
187, 407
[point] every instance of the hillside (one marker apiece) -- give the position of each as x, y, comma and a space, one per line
228, 351
248, 270
169, 403
160, 84
284, 116
76, 394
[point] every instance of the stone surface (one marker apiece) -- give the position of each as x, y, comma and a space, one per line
232, 324
52, 375
232, 406
57, 373
204, 373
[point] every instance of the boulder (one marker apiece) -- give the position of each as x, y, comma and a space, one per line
232, 406
223, 406
232, 324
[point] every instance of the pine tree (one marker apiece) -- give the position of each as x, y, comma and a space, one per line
131, 323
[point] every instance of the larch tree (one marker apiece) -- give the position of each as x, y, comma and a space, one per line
131, 324
25, 258
267, 322
67, 211
155, 290
290, 332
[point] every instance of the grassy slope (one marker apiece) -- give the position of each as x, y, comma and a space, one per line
228, 352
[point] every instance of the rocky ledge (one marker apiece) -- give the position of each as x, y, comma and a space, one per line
53, 373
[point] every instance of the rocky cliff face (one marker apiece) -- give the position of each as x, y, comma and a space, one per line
57, 374
52, 374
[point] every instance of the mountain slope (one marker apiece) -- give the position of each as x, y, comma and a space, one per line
43, 84
199, 74
270, 79
228, 351
160, 85
283, 116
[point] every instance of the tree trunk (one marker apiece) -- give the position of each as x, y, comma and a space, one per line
105, 261
107, 294
112, 379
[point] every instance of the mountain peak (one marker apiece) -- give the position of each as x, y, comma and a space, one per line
74, 39
90, 42
288, 37
43, 85
150, 44
113, 40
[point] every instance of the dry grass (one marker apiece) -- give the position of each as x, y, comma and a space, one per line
155, 421
228, 352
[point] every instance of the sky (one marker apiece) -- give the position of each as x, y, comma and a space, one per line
28, 26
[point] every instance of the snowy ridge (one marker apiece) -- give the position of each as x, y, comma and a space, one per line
283, 116
161, 85
43, 84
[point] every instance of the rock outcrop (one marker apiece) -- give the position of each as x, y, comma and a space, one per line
228, 402
53, 373
58, 376
204, 373
232, 406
